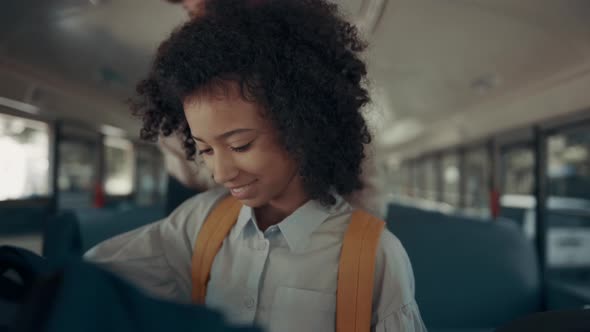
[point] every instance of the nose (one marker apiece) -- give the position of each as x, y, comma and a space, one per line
224, 168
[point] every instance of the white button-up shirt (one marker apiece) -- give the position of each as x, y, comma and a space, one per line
283, 279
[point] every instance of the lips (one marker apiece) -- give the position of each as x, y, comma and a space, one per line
242, 191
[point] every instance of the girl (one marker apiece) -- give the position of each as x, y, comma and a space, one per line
269, 95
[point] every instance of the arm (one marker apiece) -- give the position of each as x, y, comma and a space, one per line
157, 257
394, 306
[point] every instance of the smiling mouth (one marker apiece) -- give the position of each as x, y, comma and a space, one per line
241, 189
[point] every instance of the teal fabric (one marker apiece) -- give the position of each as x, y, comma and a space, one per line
72, 234
79, 296
567, 294
27, 219
85, 298
574, 320
19, 270
177, 193
94, 230
469, 274
61, 237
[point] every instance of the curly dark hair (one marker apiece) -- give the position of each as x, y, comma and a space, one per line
298, 59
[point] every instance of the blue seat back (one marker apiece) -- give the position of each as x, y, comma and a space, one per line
469, 273
97, 228
73, 233
26, 219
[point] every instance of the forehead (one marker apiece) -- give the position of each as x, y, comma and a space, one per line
216, 111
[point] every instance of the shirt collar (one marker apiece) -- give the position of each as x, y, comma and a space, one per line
300, 225
246, 215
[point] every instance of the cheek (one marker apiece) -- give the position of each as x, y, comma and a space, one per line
208, 163
253, 162
264, 161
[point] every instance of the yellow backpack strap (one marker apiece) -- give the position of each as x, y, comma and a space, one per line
356, 273
215, 229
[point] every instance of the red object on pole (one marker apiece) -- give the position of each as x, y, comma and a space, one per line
495, 203
99, 197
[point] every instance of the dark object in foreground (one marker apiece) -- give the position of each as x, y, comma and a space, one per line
83, 297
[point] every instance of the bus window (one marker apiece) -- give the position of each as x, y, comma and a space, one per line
518, 185
519, 171
407, 180
450, 177
430, 191
419, 179
151, 175
568, 203
78, 168
476, 176
119, 170
24, 161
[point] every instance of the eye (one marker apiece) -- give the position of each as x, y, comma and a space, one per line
242, 148
206, 152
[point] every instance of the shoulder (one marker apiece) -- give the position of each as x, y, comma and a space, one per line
394, 278
394, 262
391, 252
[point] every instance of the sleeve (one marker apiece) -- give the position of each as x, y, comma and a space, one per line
394, 306
157, 257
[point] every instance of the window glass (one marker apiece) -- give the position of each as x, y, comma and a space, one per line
419, 179
24, 158
518, 184
450, 178
77, 172
476, 177
150, 175
430, 180
407, 180
119, 166
518, 176
568, 203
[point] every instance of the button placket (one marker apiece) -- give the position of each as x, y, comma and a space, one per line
249, 302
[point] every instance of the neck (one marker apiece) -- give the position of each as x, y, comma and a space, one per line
272, 213
282, 206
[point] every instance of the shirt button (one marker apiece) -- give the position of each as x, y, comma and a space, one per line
262, 245
249, 302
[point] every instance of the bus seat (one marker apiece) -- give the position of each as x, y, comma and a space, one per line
516, 214
73, 233
61, 237
177, 193
469, 275
96, 230
26, 219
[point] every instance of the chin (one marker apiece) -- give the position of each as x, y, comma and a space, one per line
254, 202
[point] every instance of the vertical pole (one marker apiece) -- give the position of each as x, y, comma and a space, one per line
541, 160
440, 184
55, 165
462, 177
494, 181
99, 199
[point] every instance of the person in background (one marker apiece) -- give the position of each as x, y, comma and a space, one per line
186, 178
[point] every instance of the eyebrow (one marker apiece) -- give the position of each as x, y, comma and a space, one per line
227, 134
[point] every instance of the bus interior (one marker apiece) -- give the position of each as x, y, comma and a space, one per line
480, 114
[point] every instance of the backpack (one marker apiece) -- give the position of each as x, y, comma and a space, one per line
355, 273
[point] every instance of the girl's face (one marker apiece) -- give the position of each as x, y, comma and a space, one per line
241, 148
